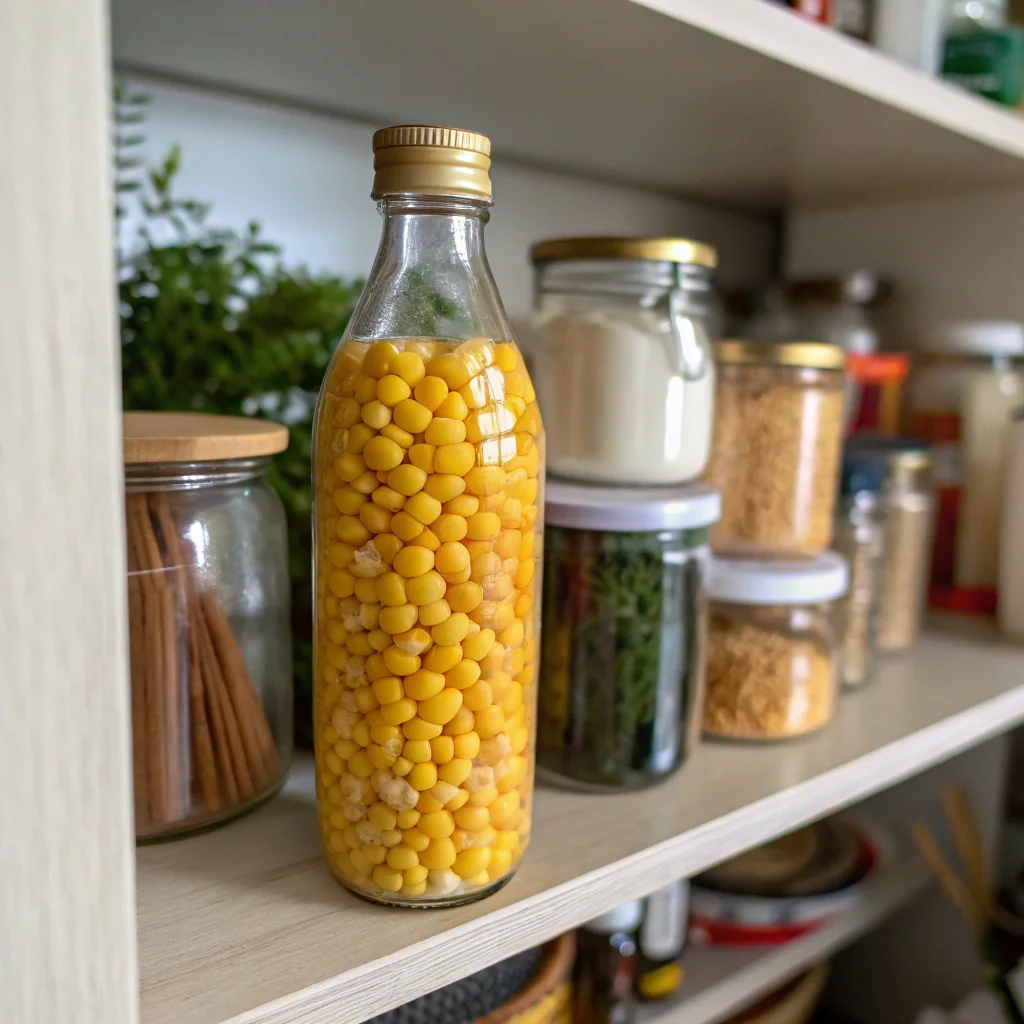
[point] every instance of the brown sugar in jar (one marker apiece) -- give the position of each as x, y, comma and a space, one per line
776, 446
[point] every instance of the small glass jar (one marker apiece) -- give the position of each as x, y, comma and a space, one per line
208, 616
606, 966
622, 358
860, 539
622, 650
772, 647
776, 449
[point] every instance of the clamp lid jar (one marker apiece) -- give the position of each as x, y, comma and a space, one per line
622, 650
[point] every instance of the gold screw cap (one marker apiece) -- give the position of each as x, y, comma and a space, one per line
426, 159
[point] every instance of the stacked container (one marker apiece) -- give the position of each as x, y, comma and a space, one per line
626, 381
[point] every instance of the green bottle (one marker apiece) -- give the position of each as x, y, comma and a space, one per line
983, 54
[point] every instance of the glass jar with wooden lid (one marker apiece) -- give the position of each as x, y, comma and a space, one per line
776, 448
209, 625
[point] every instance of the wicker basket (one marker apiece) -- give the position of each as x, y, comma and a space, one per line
532, 987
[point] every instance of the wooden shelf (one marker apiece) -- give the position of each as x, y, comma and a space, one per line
736, 102
721, 982
245, 924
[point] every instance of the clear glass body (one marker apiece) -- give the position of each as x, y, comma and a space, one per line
910, 519
860, 539
772, 670
428, 493
604, 977
965, 15
622, 657
624, 371
210, 642
775, 458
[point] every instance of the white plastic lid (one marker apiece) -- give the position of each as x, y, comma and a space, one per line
978, 338
761, 581
621, 919
584, 507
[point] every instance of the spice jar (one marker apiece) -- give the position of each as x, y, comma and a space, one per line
208, 615
606, 967
772, 648
623, 364
776, 446
860, 537
428, 469
622, 653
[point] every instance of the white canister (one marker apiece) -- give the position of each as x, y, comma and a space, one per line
621, 358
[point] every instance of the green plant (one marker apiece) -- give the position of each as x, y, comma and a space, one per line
212, 321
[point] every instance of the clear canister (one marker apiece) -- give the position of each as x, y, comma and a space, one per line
428, 488
622, 358
773, 653
860, 539
208, 614
622, 655
776, 448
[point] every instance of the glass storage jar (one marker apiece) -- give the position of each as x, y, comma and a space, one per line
621, 356
860, 539
208, 617
776, 447
622, 655
772, 648
428, 474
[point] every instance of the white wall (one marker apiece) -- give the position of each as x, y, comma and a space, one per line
306, 178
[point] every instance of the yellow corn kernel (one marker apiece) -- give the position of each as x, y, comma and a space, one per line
387, 690
437, 825
457, 801
477, 647
431, 392
348, 501
493, 503
524, 577
450, 529
464, 677
452, 369
423, 507
487, 722
455, 578
428, 803
347, 413
399, 663
407, 819
399, 711
360, 862
440, 658
503, 808
407, 480
402, 767
418, 751
456, 459
486, 560
418, 729
439, 854
515, 661
412, 416
483, 526
366, 591
442, 707
384, 734
456, 771
342, 583
391, 593
358, 438
514, 634
378, 854
422, 457
365, 483
402, 858
477, 697
379, 757
442, 749
506, 356
424, 684
388, 878
375, 414
382, 815
427, 539
462, 838
413, 641
365, 389
375, 518
427, 588
360, 765
468, 863
529, 540
352, 531
464, 597
443, 431
452, 557
391, 389
405, 527
361, 734
381, 453
460, 724
483, 798
463, 506
435, 613
414, 889
467, 745
412, 562
378, 358
398, 619
349, 466
501, 864
336, 632
505, 839
472, 818
508, 543
357, 643
423, 776
444, 486
375, 667
483, 480
454, 407
393, 432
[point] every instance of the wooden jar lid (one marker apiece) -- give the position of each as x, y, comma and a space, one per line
198, 437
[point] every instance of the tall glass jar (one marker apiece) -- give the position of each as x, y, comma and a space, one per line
208, 616
428, 475
776, 448
624, 370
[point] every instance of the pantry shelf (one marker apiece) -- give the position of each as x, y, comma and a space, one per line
737, 101
720, 982
245, 924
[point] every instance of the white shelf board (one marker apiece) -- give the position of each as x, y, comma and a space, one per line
720, 982
246, 924
737, 102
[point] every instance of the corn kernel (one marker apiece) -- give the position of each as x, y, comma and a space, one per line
439, 854
376, 414
418, 729
417, 751
342, 583
391, 593
423, 507
407, 819
488, 721
464, 597
375, 667
469, 862
506, 356
399, 711
426, 588
451, 369
349, 465
365, 389
378, 358
464, 505
472, 818
483, 797
442, 749
457, 459
423, 776
478, 695
427, 539
381, 453
450, 529
428, 803
483, 526
435, 613
477, 647
388, 878
402, 767
375, 518
444, 486
366, 591
348, 501
424, 684
453, 407
437, 825
387, 690
399, 663
393, 432
398, 619
412, 416
464, 677
440, 658
359, 764
382, 815
391, 389
431, 392
456, 771
358, 437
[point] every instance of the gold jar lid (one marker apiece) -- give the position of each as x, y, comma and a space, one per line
198, 437
814, 355
909, 466
428, 159
664, 250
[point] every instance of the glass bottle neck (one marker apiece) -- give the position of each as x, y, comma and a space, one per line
431, 278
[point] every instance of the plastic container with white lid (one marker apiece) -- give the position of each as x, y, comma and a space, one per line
623, 637
772, 650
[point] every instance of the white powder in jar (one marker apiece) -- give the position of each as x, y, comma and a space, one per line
616, 410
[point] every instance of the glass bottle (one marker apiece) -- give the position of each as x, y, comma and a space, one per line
605, 971
661, 941
428, 476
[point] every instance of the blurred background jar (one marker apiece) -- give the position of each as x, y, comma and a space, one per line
621, 357
606, 966
209, 626
859, 538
